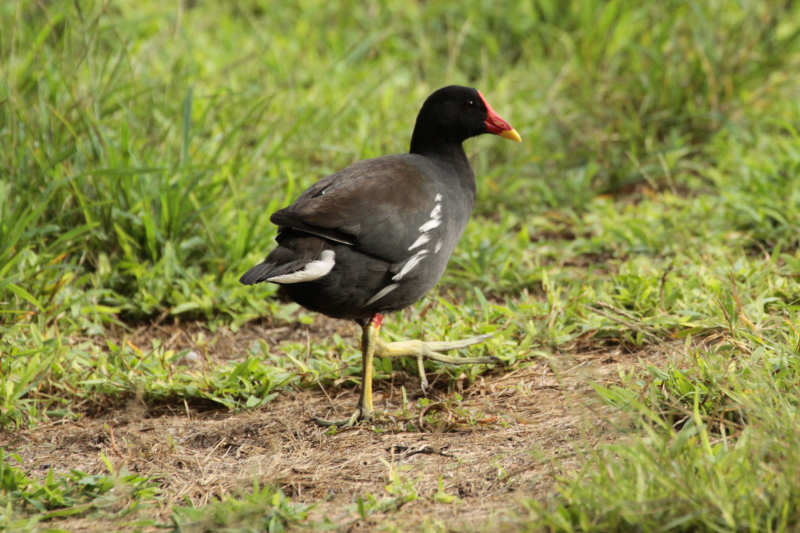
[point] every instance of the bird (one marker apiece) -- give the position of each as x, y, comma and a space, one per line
376, 236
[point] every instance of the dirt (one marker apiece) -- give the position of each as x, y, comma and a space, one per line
491, 443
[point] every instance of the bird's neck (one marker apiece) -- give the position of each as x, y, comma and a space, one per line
450, 157
447, 151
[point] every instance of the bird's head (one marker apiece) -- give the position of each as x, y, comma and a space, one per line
457, 113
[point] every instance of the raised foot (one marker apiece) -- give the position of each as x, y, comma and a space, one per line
431, 350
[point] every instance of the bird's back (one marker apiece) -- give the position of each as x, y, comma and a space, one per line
389, 224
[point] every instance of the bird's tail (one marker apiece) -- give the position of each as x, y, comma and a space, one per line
257, 274
285, 265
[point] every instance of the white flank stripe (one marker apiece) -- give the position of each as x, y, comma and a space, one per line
311, 271
410, 264
431, 224
420, 241
436, 217
438, 246
381, 293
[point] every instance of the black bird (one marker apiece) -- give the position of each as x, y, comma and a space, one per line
376, 236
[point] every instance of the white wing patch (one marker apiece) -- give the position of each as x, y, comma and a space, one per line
311, 271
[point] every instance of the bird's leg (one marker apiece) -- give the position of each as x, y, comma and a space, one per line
372, 346
369, 338
430, 350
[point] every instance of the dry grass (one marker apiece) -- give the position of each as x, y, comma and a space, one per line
510, 433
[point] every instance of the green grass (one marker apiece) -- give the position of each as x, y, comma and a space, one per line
27, 502
656, 197
262, 509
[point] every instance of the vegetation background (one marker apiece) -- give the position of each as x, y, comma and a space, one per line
655, 200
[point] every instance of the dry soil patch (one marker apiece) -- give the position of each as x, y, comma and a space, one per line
507, 437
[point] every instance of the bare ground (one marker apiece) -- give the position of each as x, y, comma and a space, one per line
510, 435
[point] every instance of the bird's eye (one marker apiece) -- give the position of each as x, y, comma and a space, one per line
471, 103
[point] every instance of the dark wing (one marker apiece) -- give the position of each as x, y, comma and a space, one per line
375, 205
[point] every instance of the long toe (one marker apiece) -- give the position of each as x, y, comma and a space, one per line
422, 350
354, 419
444, 346
431, 350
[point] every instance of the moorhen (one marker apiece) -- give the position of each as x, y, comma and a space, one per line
376, 236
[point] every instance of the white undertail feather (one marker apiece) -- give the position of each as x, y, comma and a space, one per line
311, 271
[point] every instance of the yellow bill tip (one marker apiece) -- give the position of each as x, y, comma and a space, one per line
511, 134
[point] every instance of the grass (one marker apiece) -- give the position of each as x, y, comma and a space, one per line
656, 198
28, 502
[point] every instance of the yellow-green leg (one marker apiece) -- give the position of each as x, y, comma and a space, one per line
365, 409
372, 346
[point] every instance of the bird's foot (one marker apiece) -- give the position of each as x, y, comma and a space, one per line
431, 350
359, 415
